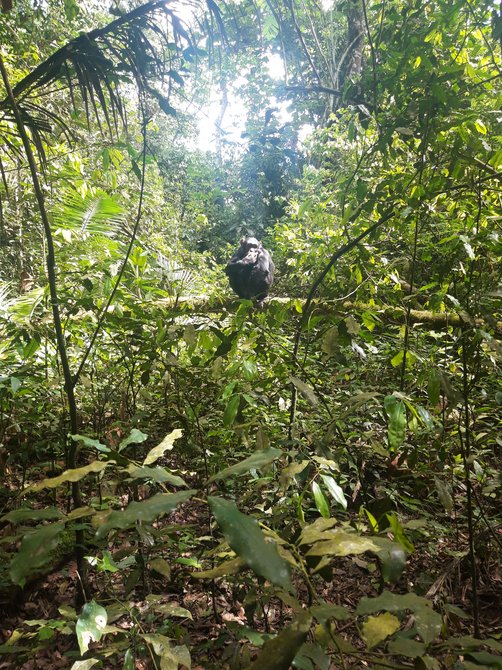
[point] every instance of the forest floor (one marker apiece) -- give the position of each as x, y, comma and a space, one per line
438, 568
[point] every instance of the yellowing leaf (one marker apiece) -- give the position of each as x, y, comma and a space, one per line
166, 445
74, 475
377, 628
480, 126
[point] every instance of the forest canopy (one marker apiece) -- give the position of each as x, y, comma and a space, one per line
309, 478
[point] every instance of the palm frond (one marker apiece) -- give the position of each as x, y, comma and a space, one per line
95, 213
96, 64
22, 308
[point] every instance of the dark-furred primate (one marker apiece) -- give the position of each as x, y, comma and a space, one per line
251, 270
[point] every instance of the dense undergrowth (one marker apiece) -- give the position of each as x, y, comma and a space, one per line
190, 480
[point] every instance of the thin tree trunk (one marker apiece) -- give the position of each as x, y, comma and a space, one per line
82, 587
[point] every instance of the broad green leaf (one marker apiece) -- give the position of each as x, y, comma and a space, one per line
74, 475
249, 369
404, 646
85, 665
166, 445
306, 391
444, 493
15, 384
425, 417
335, 490
484, 659
378, 628
129, 663
156, 474
399, 535
171, 656
320, 501
434, 386
480, 126
35, 551
396, 413
257, 460
397, 359
319, 530
325, 612
392, 559
135, 437
225, 569
278, 653
248, 541
32, 346
310, 656
146, 511
169, 609
330, 341
161, 566
90, 442
231, 410
90, 625
289, 473
428, 623
342, 543
24, 515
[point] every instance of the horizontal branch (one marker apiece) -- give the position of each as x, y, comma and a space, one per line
202, 304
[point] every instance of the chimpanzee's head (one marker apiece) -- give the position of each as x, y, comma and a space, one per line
248, 243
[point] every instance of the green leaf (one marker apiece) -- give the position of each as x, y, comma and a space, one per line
311, 656
289, 473
428, 623
396, 413
397, 359
166, 445
146, 511
248, 541
24, 515
90, 442
444, 493
74, 475
434, 386
169, 609
325, 612
129, 663
403, 646
156, 474
135, 437
95, 213
278, 653
306, 391
171, 656
378, 628
161, 566
15, 384
231, 410
399, 535
257, 460
225, 569
85, 665
342, 543
31, 347
90, 625
335, 490
35, 551
480, 126
320, 501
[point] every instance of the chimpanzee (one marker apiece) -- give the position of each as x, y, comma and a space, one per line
250, 271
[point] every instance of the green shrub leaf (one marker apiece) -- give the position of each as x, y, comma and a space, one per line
248, 541
146, 510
